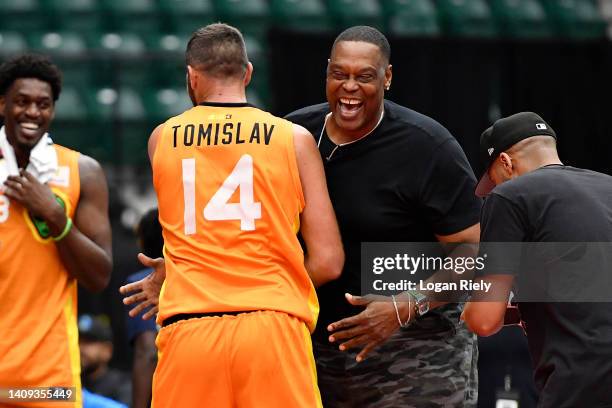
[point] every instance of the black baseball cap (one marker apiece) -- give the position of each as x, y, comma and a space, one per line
505, 133
95, 328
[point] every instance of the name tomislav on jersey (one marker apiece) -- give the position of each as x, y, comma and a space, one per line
213, 134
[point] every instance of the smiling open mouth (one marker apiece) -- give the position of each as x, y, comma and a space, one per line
29, 128
349, 107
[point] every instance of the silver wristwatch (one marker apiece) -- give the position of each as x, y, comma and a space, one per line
421, 303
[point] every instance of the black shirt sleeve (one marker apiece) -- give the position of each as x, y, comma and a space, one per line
447, 190
502, 232
501, 221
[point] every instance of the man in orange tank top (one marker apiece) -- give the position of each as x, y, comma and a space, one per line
234, 185
54, 230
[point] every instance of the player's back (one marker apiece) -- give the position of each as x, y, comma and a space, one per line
229, 197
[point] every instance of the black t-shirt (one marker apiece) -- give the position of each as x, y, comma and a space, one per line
406, 181
570, 343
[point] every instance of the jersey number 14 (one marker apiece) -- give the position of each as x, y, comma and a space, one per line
218, 208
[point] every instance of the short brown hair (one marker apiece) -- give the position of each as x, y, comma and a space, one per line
217, 49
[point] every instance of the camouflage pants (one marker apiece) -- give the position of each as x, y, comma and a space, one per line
411, 370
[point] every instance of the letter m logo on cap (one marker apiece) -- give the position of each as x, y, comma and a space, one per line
490, 150
541, 126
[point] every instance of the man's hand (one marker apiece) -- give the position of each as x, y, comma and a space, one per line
147, 289
37, 198
370, 328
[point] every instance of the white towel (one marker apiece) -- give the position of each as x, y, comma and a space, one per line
42, 164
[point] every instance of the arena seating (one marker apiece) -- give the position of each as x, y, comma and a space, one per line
123, 60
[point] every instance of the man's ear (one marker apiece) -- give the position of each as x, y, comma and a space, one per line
506, 162
388, 76
52, 116
2, 105
248, 74
192, 75
107, 350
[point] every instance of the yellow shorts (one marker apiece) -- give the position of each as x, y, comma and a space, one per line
250, 360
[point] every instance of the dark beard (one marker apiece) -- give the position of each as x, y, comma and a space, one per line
86, 371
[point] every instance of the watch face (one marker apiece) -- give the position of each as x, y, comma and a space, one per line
421, 303
423, 307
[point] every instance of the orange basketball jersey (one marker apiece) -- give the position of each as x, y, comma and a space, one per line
39, 336
229, 198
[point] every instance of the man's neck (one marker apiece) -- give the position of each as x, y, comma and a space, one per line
22, 156
223, 94
341, 136
98, 373
539, 162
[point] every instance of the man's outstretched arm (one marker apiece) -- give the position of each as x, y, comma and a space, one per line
324, 257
